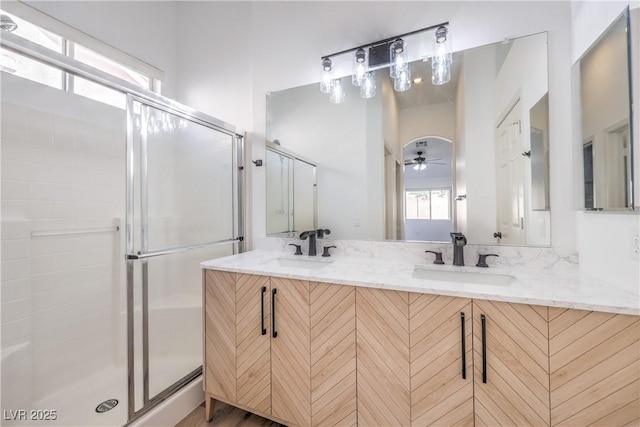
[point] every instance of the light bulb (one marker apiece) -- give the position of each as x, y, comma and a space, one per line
397, 57
327, 76
368, 86
359, 66
419, 167
442, 58
402, 81
337, 95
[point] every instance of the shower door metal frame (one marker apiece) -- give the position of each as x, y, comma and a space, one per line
69, 65
143, 254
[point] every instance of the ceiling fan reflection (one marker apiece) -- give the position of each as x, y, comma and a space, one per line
420, 163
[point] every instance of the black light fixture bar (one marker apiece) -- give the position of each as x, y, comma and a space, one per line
386, 41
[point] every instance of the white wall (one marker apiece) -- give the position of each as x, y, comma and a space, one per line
605, 239
428, 120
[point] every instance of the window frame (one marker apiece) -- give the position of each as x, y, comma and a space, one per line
72, 37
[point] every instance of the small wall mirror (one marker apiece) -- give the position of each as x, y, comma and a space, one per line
290, 192
605, 99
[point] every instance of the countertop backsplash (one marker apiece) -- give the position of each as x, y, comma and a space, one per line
509, 256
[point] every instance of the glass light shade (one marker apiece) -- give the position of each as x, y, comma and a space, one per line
337, 95
327, 76
442, 58
402, 81
397, 57
419, 166
368, 86
359, 66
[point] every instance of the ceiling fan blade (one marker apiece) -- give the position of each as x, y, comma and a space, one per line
410, 162
437, 163
430, 160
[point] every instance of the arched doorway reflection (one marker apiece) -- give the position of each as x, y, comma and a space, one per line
428, 189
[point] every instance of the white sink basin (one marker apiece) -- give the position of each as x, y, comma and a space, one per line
479, 278
302, 263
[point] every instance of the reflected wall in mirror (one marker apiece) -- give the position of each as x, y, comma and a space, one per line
290, 192
605, 89
483, 136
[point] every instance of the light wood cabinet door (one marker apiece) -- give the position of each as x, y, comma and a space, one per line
290, 352
333, 355
441, 360
383, 372
253, 339
220, 334
512, 385
595, 368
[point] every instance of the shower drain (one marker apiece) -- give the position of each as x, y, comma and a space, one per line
107, 405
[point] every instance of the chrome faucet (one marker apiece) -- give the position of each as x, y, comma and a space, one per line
459, 242
313, 235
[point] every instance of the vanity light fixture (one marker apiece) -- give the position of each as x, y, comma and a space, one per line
337, 95
442, 57
327, 76
390, 52
398, 59
359, 66
368, 86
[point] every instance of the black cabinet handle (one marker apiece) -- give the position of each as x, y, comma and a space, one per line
483, 321
264, 291
464, 348
274, 333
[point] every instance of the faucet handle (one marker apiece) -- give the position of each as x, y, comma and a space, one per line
298, 248
325, 251
482, 259
438, 255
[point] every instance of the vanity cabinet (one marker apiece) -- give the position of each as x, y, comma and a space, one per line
511, 364
284, 349
315, 354
384, 382
220, 335
595, 368
441, 360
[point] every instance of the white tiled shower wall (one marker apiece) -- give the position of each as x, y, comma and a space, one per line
62, 169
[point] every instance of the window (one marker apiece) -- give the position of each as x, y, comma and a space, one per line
19, 65
428, 204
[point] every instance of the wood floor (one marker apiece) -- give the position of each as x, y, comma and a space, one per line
227, 416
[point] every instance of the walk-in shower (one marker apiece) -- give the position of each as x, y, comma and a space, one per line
106, 214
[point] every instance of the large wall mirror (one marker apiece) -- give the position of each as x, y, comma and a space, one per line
290, 192
470, 155
607, 127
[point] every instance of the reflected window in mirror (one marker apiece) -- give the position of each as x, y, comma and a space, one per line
605, 96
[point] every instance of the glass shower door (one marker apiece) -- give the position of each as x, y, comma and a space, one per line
182, 189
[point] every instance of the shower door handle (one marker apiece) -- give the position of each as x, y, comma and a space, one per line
264, 291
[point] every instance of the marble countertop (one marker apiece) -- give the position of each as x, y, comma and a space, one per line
566, 288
